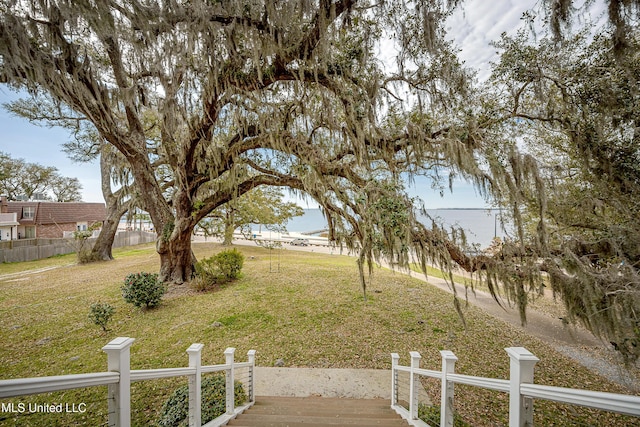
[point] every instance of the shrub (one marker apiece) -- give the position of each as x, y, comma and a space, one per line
101, 314
229, 263
83, 247
143, 289
175, 411
218, 269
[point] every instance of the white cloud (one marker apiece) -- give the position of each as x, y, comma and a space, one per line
479, 22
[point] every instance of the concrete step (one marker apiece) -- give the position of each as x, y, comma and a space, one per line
318, 412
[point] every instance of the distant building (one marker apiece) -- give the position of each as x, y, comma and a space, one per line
8, 221
52, 219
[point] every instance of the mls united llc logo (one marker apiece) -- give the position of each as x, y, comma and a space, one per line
21, 407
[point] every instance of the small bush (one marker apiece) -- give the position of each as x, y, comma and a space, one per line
83, 247
143, 289
175, 411
229, 263
101, 314
218, 269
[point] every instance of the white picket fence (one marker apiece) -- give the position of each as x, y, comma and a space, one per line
120, 376
520, 387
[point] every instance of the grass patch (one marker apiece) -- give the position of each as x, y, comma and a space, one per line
310, 314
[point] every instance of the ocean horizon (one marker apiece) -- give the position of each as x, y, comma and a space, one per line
481, 225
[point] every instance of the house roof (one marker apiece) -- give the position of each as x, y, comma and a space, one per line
59, 213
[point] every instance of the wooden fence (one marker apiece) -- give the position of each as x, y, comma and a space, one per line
33, 249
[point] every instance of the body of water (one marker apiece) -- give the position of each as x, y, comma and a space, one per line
480, 225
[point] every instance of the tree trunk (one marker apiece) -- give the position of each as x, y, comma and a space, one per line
174, 243
228, 229
102, 249
176, 258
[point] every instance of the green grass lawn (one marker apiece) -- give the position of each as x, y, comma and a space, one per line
304, 308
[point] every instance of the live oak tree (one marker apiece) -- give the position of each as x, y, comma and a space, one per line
114, 172
85, 145
293, 94
260, 206
574, 108
280, 93
19, 178
64, 189
622, 15
10, 172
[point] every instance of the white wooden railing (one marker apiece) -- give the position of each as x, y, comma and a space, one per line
120, 376
520, 387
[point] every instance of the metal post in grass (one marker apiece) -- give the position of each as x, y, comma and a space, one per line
251, 357
413, 385
521, 371
446, 392
195, 385
395, 360
230, 386
119, 394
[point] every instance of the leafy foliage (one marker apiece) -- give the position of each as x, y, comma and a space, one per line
218, 269
175, 412
19, 178
271, 93
574, 193
143, 289
229, 262
262, 206
101, 313
83, 248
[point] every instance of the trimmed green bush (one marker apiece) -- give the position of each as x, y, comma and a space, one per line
101, 313
218, 269
143, 289
229, 262
175, 411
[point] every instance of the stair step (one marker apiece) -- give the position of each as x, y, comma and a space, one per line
343, 406
318, 412
277, 420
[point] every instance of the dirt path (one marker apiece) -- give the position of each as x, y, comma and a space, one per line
20, 274
574, 342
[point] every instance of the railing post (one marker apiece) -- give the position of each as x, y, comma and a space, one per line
395, 360
230, 385
521, 371
195, 385
251, 357
413, 385
446, 392
119, 395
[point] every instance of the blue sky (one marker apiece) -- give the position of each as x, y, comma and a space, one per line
472, 27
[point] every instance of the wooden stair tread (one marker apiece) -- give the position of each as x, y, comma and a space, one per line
319, 412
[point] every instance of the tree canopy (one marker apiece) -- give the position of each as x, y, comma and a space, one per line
208, 100
246, 94
20, 179
262, 206
573, 108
